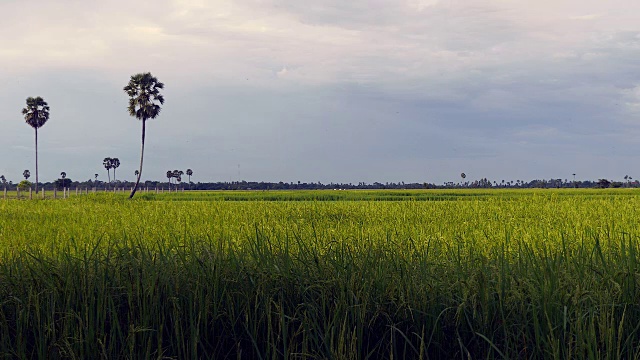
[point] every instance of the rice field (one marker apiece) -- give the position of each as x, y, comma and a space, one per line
530, 274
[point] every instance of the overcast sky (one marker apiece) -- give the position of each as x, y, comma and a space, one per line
342, 91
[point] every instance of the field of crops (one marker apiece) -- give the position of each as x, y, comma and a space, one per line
322, 274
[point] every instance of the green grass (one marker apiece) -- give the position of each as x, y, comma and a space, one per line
440, 274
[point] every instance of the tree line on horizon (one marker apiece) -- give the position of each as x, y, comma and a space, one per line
262, 185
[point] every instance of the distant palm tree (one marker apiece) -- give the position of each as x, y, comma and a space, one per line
107, 165
169, 176
115, 163
26, 174
190, 172
144, 95
136, 172
178, 175
96, 176
3, 180
36, 114
63, 175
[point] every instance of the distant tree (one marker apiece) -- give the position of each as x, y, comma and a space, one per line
36, 114
63, 182
190, 172
3, 180
63, 175
169, 176
115, 163
144, 95
463, 175
603, 183
26, 174
107, 165
24, 185
177, 174
95, 176
136, 172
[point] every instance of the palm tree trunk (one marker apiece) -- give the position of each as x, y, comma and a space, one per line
108, 177
114, 175
133, 192
36, 160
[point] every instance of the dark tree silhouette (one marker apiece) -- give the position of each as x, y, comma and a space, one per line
115, 163
26, 174
169, 176
144, 95
36, 114
95, 176
189, 173
107, 165
63, 175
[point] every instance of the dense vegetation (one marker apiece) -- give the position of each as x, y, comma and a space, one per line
491, 274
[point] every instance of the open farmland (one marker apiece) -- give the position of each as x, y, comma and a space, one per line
324, 274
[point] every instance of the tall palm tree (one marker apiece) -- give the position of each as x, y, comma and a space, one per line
144, 95
36, 114
107, 165
115, 163
169, 176
63, 175
96, 176
26, 174
189, 173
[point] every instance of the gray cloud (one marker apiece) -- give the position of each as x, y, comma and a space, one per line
329, 91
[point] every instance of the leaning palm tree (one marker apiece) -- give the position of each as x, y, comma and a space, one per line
107, 165
115, 163
26, 174
144, 95
36, 114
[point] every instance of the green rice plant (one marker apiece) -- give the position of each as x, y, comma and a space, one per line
513, 274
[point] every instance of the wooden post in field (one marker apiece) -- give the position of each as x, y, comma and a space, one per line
30, 194
76, 191
5, 193
156, 189
43, 192
55, 192
18, 192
